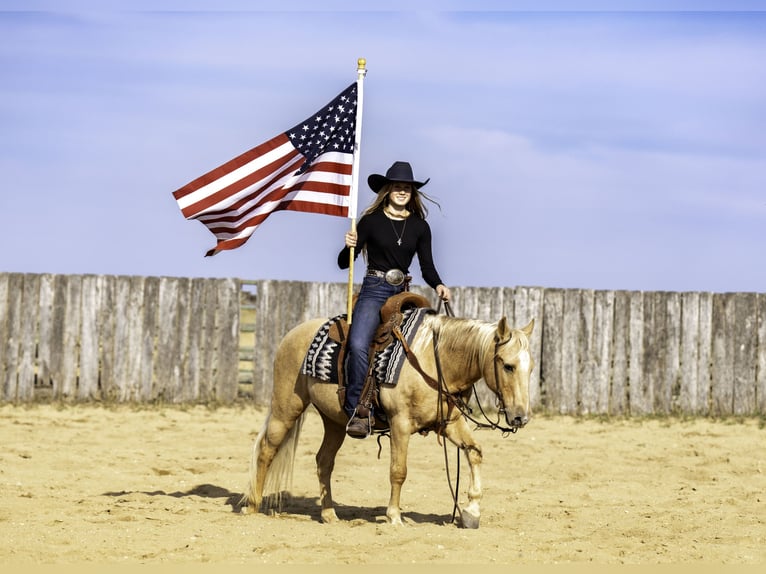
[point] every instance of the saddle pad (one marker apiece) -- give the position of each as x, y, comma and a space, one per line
387, 363
321, 361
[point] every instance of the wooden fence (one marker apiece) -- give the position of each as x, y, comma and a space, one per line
126, 339
596, 352
141, 339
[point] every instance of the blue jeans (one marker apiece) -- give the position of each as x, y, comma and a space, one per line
365, 319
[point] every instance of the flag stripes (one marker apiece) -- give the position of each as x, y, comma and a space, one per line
307, 168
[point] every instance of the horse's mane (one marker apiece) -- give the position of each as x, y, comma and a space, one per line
472, 336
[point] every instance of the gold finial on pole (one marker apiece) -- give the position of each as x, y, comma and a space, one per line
361, 64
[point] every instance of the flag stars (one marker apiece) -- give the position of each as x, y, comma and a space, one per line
330, 129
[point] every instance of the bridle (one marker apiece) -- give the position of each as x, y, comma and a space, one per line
457, 400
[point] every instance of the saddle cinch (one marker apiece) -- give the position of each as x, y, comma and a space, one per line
391, 315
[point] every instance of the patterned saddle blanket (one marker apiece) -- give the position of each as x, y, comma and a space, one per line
324, 358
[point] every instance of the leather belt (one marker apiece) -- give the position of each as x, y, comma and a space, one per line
393, 277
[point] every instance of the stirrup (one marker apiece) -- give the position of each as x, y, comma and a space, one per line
359, 427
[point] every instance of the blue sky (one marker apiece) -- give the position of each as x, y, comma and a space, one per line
578, 149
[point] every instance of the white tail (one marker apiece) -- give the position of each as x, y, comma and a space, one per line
279, 474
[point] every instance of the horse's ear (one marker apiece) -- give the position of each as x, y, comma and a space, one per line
528, 329
503, 330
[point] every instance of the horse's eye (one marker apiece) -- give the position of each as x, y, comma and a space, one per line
509, 368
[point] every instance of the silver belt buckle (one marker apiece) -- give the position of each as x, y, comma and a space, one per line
394, 277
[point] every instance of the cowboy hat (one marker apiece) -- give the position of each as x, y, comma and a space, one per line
400, 171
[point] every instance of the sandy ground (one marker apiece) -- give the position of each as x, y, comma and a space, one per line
160, 485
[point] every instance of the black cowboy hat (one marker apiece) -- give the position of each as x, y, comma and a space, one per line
400, 171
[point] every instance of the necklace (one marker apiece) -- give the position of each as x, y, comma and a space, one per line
398, 235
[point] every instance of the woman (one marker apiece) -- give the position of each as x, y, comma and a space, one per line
391, 232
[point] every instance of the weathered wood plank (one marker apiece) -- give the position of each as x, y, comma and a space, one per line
121, 391
177, 384
194, 340
642, 384
760, 382
4, 316
149, 327
587, 381
722, 371
107, 317
602, 348
468, 305
260, 376
689, 391
71, 344
570, 349
167, 342
56, 338
227, 383
491, 305
11, 343
328, 299
134, 340
28, 338
618, 395
208, 302
551, 358
666, 397
636, 353
745, 357
660, 341
90, 338
277, 313
264, 341
705, 350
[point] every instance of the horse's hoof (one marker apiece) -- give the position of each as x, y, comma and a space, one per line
328, 516
468, 520
394, 518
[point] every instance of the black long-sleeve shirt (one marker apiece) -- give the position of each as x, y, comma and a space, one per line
379, 234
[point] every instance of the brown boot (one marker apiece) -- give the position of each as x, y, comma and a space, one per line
358, 427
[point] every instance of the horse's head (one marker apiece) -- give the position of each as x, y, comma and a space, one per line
507, 375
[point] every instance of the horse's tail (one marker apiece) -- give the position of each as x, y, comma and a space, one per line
278, 480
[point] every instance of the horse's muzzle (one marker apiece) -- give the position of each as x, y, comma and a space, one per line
516, 421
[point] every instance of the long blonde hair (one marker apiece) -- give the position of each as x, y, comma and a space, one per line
415, 205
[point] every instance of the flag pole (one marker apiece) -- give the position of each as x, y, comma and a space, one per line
361, 71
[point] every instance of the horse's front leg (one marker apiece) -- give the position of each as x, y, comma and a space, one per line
334, 435
459, 434
400, 441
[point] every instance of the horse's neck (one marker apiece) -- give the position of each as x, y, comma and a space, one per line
461, 350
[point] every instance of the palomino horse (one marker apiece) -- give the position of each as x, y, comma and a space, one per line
466, 351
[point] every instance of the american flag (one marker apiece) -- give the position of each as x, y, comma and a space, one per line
307, 168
